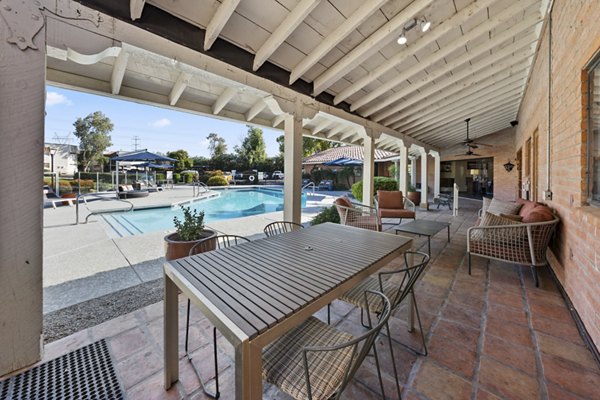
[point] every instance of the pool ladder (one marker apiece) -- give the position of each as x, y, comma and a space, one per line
309, 184
97, 212
199, 188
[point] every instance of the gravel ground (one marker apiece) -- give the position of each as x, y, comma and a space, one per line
67, 321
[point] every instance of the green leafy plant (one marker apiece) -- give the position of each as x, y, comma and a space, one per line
192, 225
217, 180
410, 187
380, 183
329, 214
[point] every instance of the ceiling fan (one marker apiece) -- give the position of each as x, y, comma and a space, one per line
470, 143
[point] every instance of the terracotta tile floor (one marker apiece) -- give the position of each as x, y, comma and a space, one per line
490, 335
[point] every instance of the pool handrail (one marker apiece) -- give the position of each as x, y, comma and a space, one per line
309, 184
100, 197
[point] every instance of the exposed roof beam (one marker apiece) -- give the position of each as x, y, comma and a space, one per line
255, 109
223, 99
408, 51
487, 85
118, 72
277, 120
439, 55
324, 124
486, 128
441, 119
464, 82
182, 81
457, 106
347, 135
135, 8
218, 21
327, 44
285, 29
370, 45
335, 130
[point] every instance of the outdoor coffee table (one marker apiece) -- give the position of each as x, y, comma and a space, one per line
424, 227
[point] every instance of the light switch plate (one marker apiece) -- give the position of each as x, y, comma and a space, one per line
547, 195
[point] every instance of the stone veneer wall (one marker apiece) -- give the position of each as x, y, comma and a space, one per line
575, 254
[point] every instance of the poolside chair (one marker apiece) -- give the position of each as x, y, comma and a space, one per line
279, 227
392, 204
396, 285
317, 361
357, 215
204, 245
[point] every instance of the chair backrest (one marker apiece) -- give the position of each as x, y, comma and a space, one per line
359, 346
410, 274
279, 227
390, 199
216, 242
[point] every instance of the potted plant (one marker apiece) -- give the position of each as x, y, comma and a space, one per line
188, 232
413, 195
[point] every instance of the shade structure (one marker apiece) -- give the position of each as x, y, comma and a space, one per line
153, 165
344, 161
142, 156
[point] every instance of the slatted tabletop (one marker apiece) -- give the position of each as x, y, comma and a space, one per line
256, 291
260, 283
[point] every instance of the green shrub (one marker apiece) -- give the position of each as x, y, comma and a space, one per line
192, 225
380, 183
160, 177
187, 177
65, 186
217, 180
329, 214
176, 177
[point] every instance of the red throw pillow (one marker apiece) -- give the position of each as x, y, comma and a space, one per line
539, 214
390, 199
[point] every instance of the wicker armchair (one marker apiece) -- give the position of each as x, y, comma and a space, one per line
357, 215
519, 243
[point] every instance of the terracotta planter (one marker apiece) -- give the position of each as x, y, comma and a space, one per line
175, 248
415, 197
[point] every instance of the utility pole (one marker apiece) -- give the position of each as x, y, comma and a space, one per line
136, 140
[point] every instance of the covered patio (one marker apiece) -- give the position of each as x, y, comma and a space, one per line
354, 72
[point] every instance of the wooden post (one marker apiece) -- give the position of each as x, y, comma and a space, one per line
22, 96
424, 194
292, 200
402, 183
368, 168
436, 173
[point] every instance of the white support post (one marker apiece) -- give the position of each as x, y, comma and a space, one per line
424, 194
403, 172
368, 168
436, 173
22, 96
292, 163
455, 202
397, 173
413, 171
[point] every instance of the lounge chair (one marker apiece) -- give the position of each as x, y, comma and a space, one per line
392, 204
53, 199
128, 192
325, 185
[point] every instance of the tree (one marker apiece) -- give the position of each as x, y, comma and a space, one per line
216, 145
309, 145
253, 149
93, 133
183, 159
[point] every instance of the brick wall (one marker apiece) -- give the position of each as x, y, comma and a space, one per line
501, 150
575, 256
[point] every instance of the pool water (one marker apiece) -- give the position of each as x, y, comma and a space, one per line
232, 203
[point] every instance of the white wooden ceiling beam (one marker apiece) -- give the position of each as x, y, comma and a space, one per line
461, 84
486, 85
335, 37
255, 110
486, 128
223, 99
346, 135
135, 8
338, 128
285, 29
118, 72
461, 107
177, 90
218, 21
277, 120
489, 106
482, 29
322, 125
370, 45
409, 51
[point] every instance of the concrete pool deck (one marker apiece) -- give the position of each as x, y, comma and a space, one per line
87, 261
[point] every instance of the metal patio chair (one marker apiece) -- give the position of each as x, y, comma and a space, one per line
279, 227
205, 245
396, 285
317, 361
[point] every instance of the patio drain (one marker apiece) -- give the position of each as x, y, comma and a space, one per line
86, 373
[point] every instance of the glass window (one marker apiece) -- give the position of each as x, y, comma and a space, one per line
594, 131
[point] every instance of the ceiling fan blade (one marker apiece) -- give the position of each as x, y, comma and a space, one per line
482, 144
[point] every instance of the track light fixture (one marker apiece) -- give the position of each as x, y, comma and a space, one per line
423, 24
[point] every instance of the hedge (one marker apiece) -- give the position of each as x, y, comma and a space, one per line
217, 180
329, 214
380, 183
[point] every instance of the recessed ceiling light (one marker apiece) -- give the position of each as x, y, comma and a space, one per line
425, 25
402, 39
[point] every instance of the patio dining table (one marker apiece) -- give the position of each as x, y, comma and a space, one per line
255, 292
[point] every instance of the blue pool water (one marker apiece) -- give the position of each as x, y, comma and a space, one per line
232, 203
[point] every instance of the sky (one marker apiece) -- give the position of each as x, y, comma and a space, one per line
158, 129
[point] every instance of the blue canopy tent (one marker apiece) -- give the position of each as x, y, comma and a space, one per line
344, 161
143, 155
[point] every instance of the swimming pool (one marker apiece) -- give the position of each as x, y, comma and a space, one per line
231, 203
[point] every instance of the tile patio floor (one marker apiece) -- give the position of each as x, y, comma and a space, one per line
490, 335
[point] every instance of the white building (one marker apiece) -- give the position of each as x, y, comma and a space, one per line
63, 157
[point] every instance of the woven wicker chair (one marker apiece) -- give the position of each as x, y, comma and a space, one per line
521, 243
279, 227
396, 285
317, 361
204, 245
357, 215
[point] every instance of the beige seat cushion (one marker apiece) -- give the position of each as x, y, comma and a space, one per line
503, 207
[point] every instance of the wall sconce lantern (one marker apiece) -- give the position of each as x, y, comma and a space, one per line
509, 166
